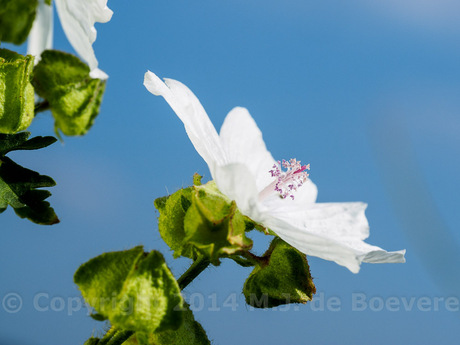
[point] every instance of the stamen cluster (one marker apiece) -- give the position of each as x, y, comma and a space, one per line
290, 180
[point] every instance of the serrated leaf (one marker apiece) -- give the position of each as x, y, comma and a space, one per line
16, 91
21, 141
283, 278
74, 97
214, 225
9, 142
16, 19
134, 290
18, 185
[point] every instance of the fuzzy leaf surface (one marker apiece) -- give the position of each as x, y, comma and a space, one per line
74, 97
16, 19
189, 333
135, 290
283, 278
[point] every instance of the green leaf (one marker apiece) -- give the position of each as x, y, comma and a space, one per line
152, 297
214, 225
283, 278
18, 185
74, 97
16, 91
134, 290
171, 221
102, 278
16, 19
21, 141
189, 333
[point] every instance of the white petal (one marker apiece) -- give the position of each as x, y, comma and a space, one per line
238, 183
334, 220
304, 196
41, 34
242, 141
98, 74
188, 108
331, 231
77, 19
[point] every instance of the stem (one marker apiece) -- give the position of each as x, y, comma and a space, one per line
41, 106
120, 337
198, 266
261, 260
242, 261
115, 337
108, 336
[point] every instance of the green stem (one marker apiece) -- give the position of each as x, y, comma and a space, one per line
41, 106
115, 337
120, 337
261, 260
198, 266
108, 336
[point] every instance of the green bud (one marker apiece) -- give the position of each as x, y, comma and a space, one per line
74, 97
200, 220
284, 277
16, 19
214, 225
16, 91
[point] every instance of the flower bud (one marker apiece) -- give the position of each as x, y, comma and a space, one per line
16, 91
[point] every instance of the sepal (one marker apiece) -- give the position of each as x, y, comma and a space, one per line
200, 220
172, 210
214, 225
282, 277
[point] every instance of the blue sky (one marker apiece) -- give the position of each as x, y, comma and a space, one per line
366, 92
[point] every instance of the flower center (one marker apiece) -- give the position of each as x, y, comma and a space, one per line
288, 181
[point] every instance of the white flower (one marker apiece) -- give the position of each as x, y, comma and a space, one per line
77, 19
246, 172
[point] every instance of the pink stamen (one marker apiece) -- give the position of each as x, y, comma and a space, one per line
287, 181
